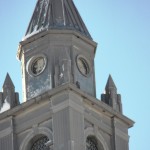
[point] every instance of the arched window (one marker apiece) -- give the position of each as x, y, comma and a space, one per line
91, 143
94, 140
37, 141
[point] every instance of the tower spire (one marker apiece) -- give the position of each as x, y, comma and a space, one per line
56, 14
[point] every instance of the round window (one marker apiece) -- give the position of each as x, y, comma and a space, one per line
36, 65
83, 65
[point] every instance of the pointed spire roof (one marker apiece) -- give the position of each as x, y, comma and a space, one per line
56, 14
8, 82
110, 83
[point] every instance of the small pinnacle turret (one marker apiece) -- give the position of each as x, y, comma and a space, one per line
8, 97
111, 97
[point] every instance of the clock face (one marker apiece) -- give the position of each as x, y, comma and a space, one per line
83, 65
38, 65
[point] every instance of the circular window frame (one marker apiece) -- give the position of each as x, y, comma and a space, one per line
30, 64
87, 63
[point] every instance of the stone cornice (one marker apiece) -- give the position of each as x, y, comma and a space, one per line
38, 35
87, 99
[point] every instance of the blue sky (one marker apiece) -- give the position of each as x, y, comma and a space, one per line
122, 30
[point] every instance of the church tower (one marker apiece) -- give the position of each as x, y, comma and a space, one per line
60, 109
56, 50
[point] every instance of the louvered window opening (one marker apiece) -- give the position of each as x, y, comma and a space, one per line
40, 144
91, 144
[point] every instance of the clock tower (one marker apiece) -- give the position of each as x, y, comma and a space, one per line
60, 109
57, 49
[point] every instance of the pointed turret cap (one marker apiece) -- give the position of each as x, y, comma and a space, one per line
110, 83
56, 14
8, 82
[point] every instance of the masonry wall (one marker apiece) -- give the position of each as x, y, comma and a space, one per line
67, 119
7, 137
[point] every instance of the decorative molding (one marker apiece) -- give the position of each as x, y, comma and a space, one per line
122, 134
6, 132
29, 123
67, 103
101, 124
95, 103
